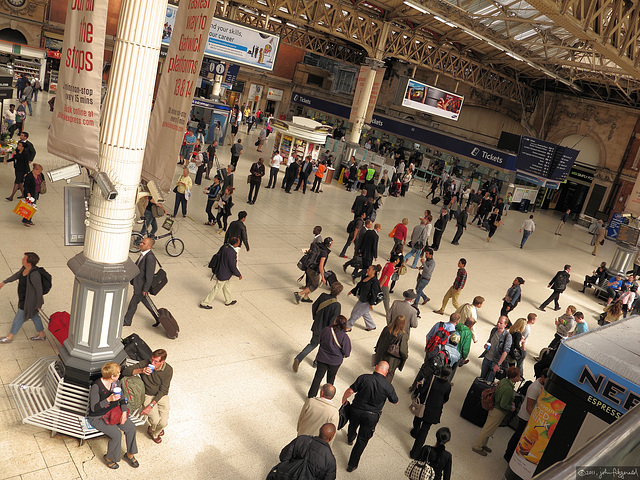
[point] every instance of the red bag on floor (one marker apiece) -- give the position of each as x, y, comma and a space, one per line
59, 325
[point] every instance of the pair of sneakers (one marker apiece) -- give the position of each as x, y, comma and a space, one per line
33, 339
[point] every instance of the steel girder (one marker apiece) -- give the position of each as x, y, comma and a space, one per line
316, 24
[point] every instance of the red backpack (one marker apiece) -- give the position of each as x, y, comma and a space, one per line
437, 342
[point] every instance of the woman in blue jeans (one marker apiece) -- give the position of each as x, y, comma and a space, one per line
30, 299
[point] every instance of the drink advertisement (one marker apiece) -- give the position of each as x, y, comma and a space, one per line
233, 42
536, 436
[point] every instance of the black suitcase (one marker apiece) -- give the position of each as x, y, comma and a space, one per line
330, 277
435, 200
164, 318
472, 408
136, 348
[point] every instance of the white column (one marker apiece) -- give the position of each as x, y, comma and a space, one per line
124, 128
361, 112
217, 83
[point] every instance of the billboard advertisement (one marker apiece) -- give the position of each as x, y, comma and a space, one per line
232, 42
432, 100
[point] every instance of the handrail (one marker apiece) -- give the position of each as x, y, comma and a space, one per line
608, 448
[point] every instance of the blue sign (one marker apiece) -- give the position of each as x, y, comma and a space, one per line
607, 392
614, 225
457, 146
319, 104
232, 74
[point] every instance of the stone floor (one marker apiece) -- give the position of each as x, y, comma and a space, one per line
235, 400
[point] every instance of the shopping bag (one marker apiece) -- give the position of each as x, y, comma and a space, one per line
25, 209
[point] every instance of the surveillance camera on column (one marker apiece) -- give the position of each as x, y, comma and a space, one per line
106, 186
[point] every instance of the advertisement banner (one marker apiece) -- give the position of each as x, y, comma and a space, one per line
633, 202
75, 128
359, 95
231, 41
536, 435
177, 84
429, 99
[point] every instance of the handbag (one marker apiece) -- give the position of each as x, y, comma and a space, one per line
418, 245
418, 470
416, 408
249, 178
187, 195
402, 269
496, 223
159, 281
43, 187
113, 416
394, 348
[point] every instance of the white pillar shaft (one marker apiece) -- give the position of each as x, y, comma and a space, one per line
217, 83
124, 127
361, 112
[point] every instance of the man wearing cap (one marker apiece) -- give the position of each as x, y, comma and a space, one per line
404, 307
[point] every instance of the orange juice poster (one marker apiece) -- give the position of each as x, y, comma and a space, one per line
535, 438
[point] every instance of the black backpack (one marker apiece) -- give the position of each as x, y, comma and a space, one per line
375, 294
214, 263
311, 259
352, 226
46, 280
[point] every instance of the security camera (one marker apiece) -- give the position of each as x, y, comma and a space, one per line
106, 186
64, 173
155, 191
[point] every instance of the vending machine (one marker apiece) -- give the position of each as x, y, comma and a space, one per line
593, 381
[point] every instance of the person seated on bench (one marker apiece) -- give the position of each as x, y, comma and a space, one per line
596, 278
108, 413
612, 286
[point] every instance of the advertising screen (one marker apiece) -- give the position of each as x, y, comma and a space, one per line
432, 100
232, 42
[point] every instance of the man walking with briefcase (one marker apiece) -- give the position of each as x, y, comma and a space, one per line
146, 263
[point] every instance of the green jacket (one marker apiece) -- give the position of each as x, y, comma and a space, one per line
505, 393
464, 345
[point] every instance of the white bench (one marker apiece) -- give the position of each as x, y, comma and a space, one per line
45, 400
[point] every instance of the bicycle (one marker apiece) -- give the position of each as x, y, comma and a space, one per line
174, 246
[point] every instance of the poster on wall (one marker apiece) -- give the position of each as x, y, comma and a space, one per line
535, 438
175, 92
429, 99
232, 42
75, 129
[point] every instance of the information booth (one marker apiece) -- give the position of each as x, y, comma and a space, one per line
302, 136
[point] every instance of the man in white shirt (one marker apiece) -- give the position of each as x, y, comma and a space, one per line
275, 168
318, 411
533, 392
527, 228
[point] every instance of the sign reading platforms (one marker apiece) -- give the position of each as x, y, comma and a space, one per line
75, 128
177, 85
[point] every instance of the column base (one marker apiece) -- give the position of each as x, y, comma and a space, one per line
84, 372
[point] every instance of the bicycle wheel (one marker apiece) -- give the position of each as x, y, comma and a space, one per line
136, 238
174, 247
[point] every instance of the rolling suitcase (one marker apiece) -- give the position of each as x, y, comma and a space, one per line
136, 348
163, 317
472, 408
435, 200
59, 325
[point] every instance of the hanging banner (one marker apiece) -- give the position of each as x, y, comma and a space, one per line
75, 128
175, 92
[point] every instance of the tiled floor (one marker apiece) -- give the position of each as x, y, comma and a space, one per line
235, 400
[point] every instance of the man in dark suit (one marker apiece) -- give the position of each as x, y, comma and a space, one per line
237, 229
290, 175
368, 250
305, 171
146, 263
359, 203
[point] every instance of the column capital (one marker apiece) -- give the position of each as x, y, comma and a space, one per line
374, 63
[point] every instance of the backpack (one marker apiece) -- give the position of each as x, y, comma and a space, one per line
352, 226
134, 391
375, 294
214, 263
488, 398
438, 341
46, 279
437, 361
311, 259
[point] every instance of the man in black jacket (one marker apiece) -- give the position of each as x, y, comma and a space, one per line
359, 204
368, 250
29, 149
324, 312
239, 230
290, 175
439, 228
257, 171
356, 224
227, 268
461, 224
146, 264
356, 261
558, 283
320, 464
305, 171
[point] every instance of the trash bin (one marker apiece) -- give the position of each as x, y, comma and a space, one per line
524, 205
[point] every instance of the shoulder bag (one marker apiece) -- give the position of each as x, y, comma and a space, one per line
159, 281
43, 185
418, 470
394, 348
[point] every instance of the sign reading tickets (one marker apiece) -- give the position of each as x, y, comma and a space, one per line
75, 128
233, 42
175, 92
